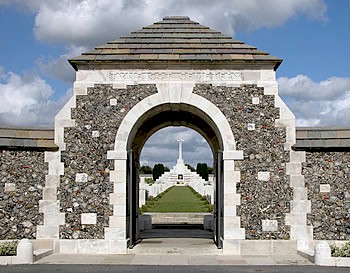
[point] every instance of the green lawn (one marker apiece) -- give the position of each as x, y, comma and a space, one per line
177, 199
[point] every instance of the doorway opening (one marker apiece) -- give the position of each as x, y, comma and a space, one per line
149, 123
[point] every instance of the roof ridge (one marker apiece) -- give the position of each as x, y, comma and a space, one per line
174, 17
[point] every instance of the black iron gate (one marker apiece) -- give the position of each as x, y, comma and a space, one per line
219, 206
132, 201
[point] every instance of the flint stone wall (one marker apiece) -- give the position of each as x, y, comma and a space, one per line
327, 178
264, 196
84, 189
22, 178
85, 185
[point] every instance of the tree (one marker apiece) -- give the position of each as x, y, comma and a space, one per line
158, 170
146, 170
202, 170
190, 167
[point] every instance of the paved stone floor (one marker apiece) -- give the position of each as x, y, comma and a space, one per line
174, 259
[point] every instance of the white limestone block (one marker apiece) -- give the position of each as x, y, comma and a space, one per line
113, 102
25, 252
95, 134
297, 181
322, 254
117, 246
81, 178
230, 180
264, 176
234, 233
270, 87
293, 168
10, 187
119, 210
117, 154
300, 206
231, 247
56, 168
50, 193
255, 100
80, 90
175, 92
268, 75
296, 219
88, 218
229, 186
269, 225
297, 156
52, 181
150, 102
211, 110
120, 85
299, 193
68, 246
230, 210
120, 165
163, 91
52, 156
232, 222
118, 176
232, 199
123, 131
64, 123
229, 165
47, 232
49, 206
115, 233
325, 188
54, 219
233, 155
251, 126
117, 221
117, 198
285, 123
186, 92
132, 117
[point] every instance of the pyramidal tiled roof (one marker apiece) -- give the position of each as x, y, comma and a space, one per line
174, 41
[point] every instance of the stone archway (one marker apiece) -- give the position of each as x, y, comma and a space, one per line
153, 113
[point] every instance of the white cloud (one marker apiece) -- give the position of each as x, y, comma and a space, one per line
325, 103
60, 68
89, 22
25, 101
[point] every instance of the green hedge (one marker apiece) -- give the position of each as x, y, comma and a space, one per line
343, 251
8, 248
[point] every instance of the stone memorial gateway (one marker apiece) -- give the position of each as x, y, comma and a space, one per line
80, 194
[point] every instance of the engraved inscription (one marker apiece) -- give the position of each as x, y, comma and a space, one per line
197, 76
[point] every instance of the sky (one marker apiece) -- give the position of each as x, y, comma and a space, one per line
38, 36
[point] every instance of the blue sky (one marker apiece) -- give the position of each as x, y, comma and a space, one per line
37, 37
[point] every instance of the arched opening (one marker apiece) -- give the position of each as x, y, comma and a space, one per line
176, 186
150, 122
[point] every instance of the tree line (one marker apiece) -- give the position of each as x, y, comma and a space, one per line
158, 169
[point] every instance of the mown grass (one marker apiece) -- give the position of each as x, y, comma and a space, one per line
178, 199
